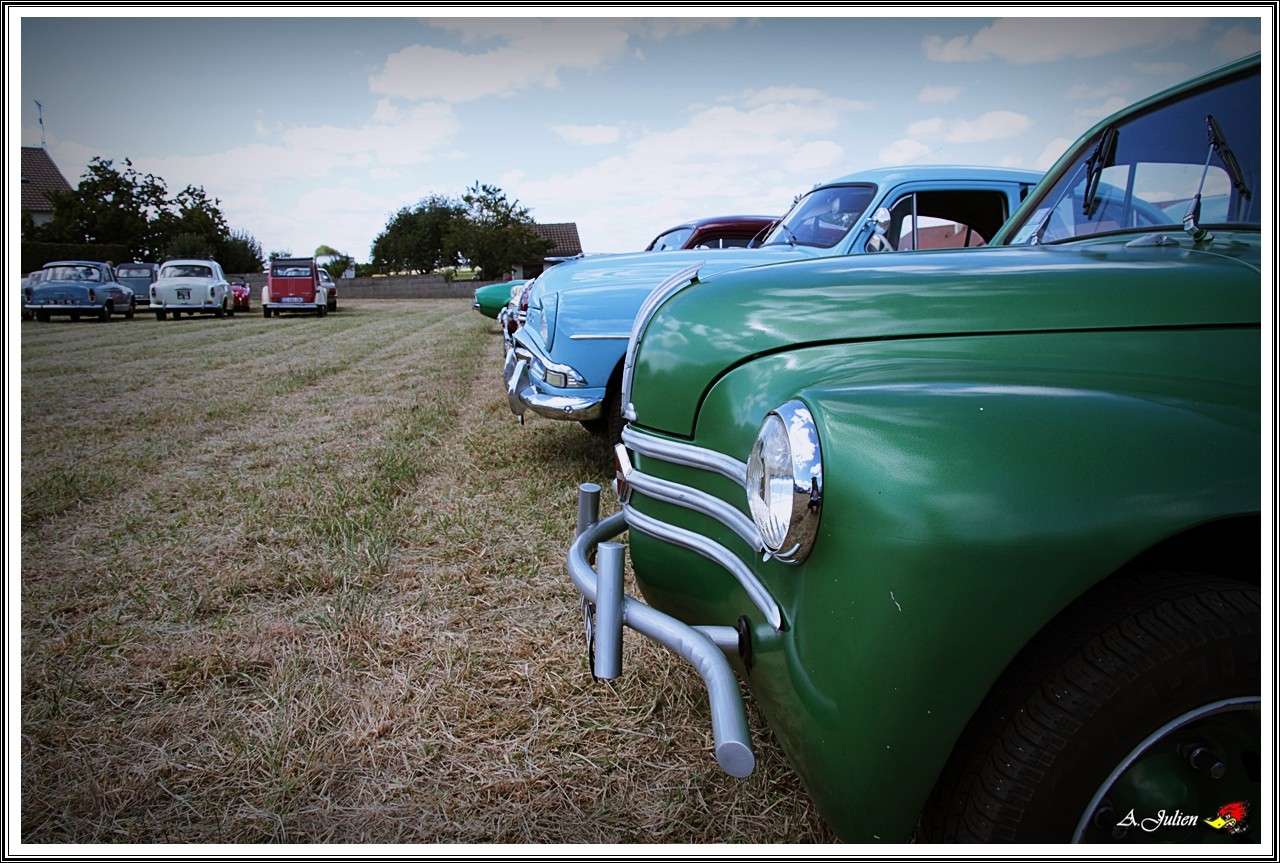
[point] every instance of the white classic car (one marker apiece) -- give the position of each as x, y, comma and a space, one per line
191, 286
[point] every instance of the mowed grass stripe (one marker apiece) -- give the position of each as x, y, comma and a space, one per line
67, 464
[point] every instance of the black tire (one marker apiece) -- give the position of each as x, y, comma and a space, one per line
266, 312
42, 317
104, 313
1126, 659
75, 316
133, 307
333, 305
176, 315
160, 315
221, 311
321, 311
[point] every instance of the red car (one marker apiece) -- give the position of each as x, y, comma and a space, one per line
295, 285
713, 232
240, 295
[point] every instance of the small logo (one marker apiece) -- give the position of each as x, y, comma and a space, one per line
1230, 817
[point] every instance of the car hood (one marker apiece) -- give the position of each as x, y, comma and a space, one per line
605, 292
710, 327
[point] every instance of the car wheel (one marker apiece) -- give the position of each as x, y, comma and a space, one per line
104, 313
1144, 696
321, 311
26, 315
42, 317
160, 316
333, 305
266, 312
133, 307
176, 315
75, 316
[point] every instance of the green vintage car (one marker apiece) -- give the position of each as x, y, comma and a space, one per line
979, 527
492, 299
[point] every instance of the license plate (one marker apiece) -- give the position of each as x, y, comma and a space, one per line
184, 293
291, 299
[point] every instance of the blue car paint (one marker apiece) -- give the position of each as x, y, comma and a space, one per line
599, 296
64, 297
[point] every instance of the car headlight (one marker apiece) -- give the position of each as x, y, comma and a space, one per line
784, 482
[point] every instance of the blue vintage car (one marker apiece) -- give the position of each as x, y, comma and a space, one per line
566, 361
78, 288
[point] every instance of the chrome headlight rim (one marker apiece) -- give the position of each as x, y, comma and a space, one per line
804, 455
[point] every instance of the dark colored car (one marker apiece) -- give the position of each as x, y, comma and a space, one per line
138, 276
713, 232
76, 288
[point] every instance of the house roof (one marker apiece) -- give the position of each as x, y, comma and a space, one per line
40, 176
565, 237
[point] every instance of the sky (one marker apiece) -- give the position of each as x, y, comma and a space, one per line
315, 130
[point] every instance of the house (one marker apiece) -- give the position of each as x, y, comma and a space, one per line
40, 177
567, 245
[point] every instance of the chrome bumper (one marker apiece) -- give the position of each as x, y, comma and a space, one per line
62, 307
523, 393
607, 610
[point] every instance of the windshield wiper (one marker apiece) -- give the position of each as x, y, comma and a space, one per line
1103, 156
1217, 143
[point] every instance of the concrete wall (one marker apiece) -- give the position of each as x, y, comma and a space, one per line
386, 287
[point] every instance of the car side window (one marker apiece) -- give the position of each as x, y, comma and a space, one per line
945, 219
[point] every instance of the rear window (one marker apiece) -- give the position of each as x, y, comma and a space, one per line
291, 271
186, 271
133, 272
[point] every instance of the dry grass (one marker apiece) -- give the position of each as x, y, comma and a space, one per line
302, 580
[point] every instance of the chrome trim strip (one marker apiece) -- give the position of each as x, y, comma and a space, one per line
698, 501
702, 649
650, 305
713, 551
685, 454
589, 336
523, 341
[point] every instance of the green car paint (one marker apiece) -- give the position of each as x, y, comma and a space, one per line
490, 299
1002, 428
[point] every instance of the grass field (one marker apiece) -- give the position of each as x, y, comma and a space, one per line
302, 580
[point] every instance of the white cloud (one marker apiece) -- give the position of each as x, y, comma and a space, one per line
1171, 69
1040, 40
751, 154
1012, 162
904, 151
938, 93
1092, 113
1114, 87
1051, 152
1238, 42
814, 156
588, 135
991, 126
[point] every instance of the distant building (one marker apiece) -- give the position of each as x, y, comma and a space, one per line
567, 245
40, 177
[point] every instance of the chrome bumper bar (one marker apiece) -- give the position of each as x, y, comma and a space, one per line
524, 395
703, 646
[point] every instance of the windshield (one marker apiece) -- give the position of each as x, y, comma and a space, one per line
291, 271
72, 273
671, 240
133, 272
822, 218
1146, 174
186, 271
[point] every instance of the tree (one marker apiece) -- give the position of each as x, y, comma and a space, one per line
494, 234
338, 264
279, 253
240, 252
414, 237
189, 245
109, 206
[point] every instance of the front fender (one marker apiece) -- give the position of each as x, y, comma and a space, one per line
974, 487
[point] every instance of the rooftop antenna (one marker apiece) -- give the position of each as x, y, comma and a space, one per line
40, 120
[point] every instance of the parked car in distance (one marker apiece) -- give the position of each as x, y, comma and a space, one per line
712, 232
76, 288
191, 286
980, 527
28, 285
240, 292
566, 361
294, 285
489, 300
138, 278
330, 289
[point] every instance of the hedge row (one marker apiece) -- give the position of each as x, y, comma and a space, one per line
36, 255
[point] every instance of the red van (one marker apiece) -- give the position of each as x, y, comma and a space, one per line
295, 285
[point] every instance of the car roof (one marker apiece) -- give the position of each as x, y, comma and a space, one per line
201, 261
294, 261
138, 264
893, 175
75, 264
